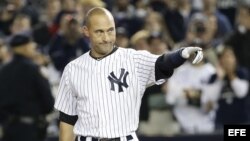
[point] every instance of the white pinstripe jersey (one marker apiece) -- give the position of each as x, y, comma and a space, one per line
86, 90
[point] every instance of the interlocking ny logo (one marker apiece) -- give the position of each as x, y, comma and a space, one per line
121, 82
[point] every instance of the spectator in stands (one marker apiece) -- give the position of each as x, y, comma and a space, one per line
223, 25
67, 44
21, 6
14, 8
155, 25
157, 45
125, 15
67, 7
159, 5
191, 105
46, 29
188, 96
7, 15
141, 8
177, 14
228, 90
139, 40
25, 95
122, 39
240, 39
200, 32
21, 25
229, 9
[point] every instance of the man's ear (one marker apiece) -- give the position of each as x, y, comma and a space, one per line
85, 31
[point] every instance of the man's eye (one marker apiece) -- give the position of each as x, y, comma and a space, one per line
98, 32
110, 30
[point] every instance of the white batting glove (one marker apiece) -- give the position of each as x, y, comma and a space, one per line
197, 51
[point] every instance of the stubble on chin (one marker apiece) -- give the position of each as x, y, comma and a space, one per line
105, 50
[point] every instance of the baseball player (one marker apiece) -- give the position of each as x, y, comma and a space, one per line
100, 92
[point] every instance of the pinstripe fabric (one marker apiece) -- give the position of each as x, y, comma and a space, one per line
85, 90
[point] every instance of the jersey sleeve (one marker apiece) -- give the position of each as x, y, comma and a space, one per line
145, 66
66, 99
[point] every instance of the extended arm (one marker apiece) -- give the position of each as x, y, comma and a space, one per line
166, 63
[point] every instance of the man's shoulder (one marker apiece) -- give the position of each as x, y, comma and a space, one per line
24, 67
126, 50
132, 51
29, 67
83, 57
24, 64
78, 60
123, 52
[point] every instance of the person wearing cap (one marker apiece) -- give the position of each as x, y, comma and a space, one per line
25, 95
122, 39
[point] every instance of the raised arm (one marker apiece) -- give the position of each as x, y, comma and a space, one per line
166, 63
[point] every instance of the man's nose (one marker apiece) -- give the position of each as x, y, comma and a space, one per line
105, 37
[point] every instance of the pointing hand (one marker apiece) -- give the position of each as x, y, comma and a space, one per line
189, 51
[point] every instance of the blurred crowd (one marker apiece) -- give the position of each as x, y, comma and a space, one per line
196, 99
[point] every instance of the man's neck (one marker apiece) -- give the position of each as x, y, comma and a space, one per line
99, 57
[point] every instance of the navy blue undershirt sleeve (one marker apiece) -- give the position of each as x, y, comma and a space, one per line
165, 64
67, 118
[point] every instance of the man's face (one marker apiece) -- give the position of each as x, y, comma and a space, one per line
31, 50
228, 60
243, 17
21, 24
102, 34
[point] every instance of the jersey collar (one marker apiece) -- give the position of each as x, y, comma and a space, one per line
100, 58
